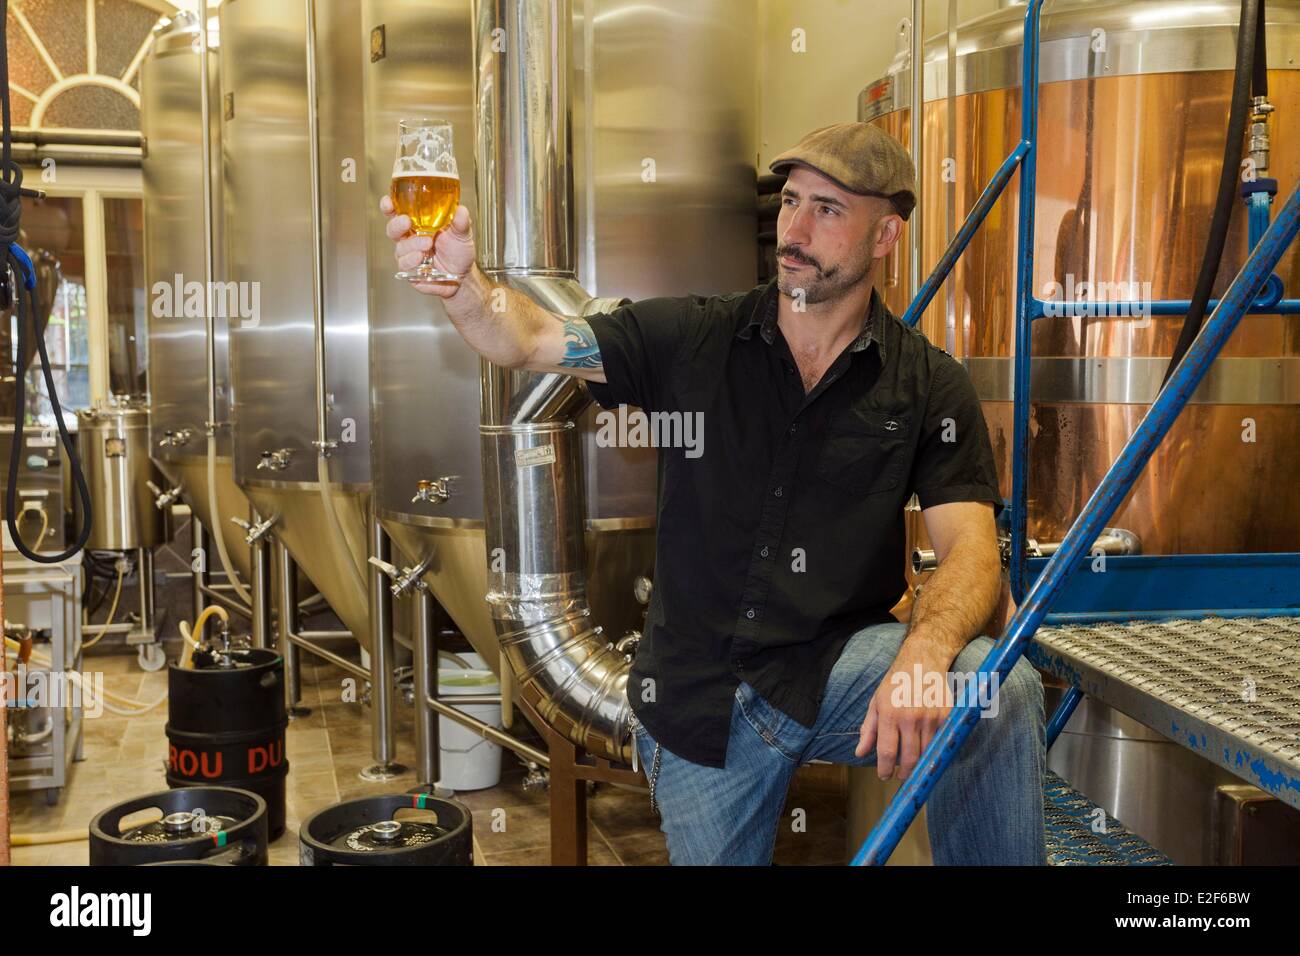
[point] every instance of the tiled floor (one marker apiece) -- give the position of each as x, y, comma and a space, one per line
326, 750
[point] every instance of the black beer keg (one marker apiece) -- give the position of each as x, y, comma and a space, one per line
366, 832
225, 725
198, 824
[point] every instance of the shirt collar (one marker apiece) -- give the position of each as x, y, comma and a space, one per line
764, 318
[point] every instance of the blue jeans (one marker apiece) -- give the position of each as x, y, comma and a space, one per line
987, 808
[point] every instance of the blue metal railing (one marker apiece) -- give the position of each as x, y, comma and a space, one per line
1255, 289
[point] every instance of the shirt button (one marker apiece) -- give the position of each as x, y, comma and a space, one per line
778, 491
764, 552
750, 614
793, 429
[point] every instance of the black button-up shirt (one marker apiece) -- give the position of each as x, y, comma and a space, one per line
783, 533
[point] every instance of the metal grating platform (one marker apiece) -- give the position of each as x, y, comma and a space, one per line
1079, 833
1226, 688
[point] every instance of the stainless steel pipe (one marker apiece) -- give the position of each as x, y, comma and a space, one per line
383, 743
263, 635
535, 514
424, 649
287, 601
1113, 541
198, 569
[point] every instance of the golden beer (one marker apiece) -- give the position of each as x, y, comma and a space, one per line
430, 201
426, 187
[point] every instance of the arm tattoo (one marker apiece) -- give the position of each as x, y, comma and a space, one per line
580, 348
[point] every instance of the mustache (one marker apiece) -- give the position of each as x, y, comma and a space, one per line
792, 253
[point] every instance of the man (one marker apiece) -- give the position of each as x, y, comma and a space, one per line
781, 548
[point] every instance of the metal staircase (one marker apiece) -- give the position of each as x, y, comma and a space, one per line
1080, 833
1226, 688
1220, 677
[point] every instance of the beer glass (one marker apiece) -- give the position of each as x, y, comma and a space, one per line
426, 187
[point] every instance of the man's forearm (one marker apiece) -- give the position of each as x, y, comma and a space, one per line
500, 324
957, 600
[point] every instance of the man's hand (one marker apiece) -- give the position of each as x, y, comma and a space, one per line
907, 710
453, 247
914, 698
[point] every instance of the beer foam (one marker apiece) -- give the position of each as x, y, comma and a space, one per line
425, 151
421, 174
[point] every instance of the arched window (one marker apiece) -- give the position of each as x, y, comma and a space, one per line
75, 64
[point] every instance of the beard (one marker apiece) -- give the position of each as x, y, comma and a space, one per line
818, 282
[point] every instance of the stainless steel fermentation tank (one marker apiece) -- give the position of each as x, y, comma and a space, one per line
272, 225
1133, 108
616, 142
170, 120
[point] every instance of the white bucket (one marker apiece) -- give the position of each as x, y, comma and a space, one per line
469, 761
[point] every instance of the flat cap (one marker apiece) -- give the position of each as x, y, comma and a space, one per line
859, 157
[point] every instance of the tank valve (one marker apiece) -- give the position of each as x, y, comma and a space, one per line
436, 490
404, 579
163, 498
177, 438
255, 532
277, 460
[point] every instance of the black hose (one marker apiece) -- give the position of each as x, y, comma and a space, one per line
25, 306
1251, 69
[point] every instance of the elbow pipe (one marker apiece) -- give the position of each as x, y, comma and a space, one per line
535, 517
535, 506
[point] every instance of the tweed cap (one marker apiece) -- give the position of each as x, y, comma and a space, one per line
859, 157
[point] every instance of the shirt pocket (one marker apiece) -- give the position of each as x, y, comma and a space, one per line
865, 452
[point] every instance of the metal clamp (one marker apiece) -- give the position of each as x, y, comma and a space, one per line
404, 579
436, 490
163, 498
277, 460
255, 532
177, 438
1259, 137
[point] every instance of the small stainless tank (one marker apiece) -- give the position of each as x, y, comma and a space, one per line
113, 445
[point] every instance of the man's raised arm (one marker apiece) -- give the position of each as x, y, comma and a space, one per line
503, 326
